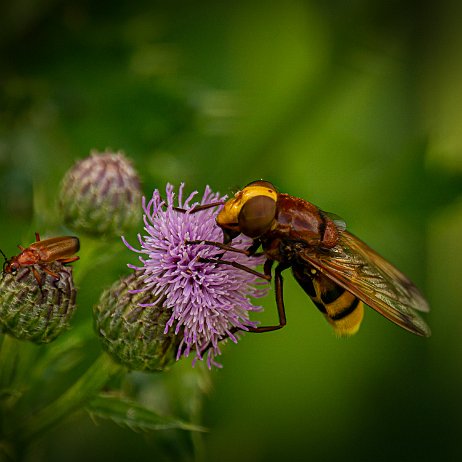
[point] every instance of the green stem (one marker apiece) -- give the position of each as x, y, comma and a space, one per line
8, 360
74, 398
196, 417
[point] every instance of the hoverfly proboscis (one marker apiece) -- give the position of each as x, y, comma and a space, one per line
41, 253
338, 271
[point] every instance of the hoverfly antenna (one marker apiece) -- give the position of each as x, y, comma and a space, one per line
234, 190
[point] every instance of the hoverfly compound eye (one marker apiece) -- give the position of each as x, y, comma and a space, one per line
256, 215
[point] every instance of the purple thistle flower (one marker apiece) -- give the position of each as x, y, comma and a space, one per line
209, 302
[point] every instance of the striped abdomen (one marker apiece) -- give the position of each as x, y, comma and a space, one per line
342, 309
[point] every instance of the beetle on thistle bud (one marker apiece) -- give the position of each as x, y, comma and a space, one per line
41, 253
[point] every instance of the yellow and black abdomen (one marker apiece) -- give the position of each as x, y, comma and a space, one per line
342, 309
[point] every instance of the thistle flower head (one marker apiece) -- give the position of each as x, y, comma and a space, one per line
209, 302
100, 194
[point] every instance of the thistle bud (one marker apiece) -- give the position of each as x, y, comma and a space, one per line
101, 194
131, 325
37, 313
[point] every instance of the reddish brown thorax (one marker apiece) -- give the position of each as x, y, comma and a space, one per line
299, 220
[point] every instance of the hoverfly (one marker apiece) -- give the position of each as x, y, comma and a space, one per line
42, 253
338, 271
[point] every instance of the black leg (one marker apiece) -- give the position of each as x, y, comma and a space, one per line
267, 267
279, 300
226, 247
234, 264
250, 252
278, 286
198, 208
267, 275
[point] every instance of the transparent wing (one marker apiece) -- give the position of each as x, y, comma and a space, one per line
355, 266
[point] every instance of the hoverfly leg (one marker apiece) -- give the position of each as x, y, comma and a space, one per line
278, 286
37, 237
198, 208
235, 265
267, 266
228, 248
250, 251
219, 245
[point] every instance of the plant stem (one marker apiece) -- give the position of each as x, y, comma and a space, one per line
8, 360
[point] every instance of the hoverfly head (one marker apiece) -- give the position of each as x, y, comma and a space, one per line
258, 208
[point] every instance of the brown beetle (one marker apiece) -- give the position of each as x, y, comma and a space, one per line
42, 253
337, 270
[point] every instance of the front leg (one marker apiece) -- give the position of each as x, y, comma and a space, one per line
226, 247
234, 264
198, 208
250, 251
279, 302
279, 298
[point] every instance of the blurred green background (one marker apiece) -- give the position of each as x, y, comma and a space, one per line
355, 106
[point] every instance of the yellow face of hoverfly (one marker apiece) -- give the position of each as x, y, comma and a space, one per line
251, 211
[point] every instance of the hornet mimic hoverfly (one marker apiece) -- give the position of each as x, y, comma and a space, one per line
336, 269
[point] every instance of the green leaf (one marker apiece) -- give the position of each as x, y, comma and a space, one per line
133, 415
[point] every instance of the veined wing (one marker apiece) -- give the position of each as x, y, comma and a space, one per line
355, 266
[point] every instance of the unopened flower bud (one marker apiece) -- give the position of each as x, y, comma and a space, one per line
37, 313
101, 195
132, 328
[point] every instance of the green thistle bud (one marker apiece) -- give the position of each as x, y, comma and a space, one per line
31, 312
133, 333
101, 195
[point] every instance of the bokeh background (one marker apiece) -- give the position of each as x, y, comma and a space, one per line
355, 106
